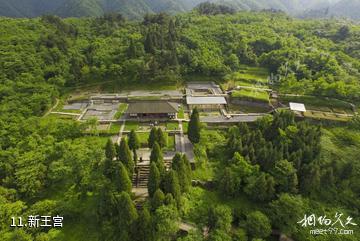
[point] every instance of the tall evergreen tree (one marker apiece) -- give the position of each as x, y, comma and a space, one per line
106, 201
194, 127
109, 167
179, 166
172, 30
122, 180
157, 157
157, 200
160, 138
149, 43
125, 156
109, 164
171, 185
261, 188
131, 52
110, 150
152, 137
126, 216
143, 230
134, 142
154, 179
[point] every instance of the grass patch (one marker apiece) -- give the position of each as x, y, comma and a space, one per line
172, 126
121, 110
251, 95
114, 128
117, 86
247, 76
242, 108
325, 116
181, 114
146, 98
143, 139
170, 142
63, 117
131, 125
320, 103
185, 126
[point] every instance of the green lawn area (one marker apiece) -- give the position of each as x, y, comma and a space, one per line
170, 142
121, 110
319, 103
325, 116
131, 125
251, 95
115, 128
181, 114
63, 117
116, 86
248, 109
247, 76
143, 138
146, 98
172, 126
185, 126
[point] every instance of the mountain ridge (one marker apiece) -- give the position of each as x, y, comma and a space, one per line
137, 8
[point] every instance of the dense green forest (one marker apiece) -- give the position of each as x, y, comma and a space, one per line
50, 166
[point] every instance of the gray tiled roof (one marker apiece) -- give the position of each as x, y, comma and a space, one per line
153, 107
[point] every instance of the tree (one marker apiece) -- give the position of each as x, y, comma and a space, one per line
106, 201
285, 176
160, 138
126, 215
343, 33
157, 157
158, 199
143, 229
220, 217
154, 179
171, 185
122, 180
194, 127
134, 142
178, 164
310, 179
110, 150
131, 52
152, 137
219, 235
286, 211
229, 183
149, 44
261, 188
166, 223
258, 225
125, 156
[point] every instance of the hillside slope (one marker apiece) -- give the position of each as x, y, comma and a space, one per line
137, 8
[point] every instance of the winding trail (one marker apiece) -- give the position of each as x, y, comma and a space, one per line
51, 109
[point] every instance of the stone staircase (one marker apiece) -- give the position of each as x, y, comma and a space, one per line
141, 174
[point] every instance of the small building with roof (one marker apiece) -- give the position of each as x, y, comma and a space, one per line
152, 109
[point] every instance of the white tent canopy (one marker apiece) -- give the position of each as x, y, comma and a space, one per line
297, 107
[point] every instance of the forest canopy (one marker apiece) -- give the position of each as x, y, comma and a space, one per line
51, 165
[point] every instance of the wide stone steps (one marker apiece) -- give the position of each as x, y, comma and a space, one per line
141, 175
